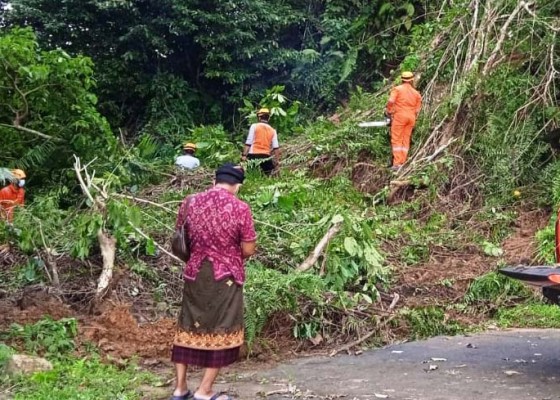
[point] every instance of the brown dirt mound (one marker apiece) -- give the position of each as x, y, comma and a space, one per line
327, 167
117, 333
520, 247
445, 277
367, 177
442, 280
32, 305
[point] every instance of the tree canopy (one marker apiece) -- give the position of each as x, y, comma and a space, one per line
205, 57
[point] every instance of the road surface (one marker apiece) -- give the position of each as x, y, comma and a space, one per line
500, 365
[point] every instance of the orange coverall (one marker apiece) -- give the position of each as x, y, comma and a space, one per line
10, 197
404, 105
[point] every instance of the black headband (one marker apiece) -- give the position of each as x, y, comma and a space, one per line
230, 173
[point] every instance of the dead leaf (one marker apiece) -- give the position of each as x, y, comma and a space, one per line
317, 340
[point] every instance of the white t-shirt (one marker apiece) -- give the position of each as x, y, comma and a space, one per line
187, 162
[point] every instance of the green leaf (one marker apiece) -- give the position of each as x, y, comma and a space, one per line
337, 219
349, 65
351, 246
408, 24
150, 247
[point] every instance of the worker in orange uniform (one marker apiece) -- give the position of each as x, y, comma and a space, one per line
403, 107
12, 195
262, 143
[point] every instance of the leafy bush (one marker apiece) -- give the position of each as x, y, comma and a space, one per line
214, 145
529, 316
546, 243
495, 289
430, 321
84, 379
47, 336
268, 292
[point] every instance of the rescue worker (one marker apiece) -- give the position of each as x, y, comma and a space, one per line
402, 108
262, 143
188, 160
12, 196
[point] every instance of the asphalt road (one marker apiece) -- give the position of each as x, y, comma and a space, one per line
500, 365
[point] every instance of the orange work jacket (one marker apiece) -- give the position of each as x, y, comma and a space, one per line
404, 99
10, 197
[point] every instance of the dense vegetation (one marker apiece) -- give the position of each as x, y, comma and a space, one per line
106, 91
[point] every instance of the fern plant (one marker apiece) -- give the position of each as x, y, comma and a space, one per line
269, 291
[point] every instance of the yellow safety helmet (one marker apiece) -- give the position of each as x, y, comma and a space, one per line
407, 76
18, 173
189, 146
263, 111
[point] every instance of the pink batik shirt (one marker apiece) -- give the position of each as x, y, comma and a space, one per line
217, 223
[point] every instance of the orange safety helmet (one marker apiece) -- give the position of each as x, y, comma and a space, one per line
407, 76
18, 173
189, 146
263, 111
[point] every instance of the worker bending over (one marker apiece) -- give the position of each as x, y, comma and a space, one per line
188, 160
12, 196
403, 107
262, 143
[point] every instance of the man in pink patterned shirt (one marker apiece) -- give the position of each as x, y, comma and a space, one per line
210, 331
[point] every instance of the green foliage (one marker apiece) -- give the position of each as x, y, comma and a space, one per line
546, 243
430, 321
55, 339
284, 114
179, 73
268, 292
88, 379
494, 290
529, 316
49, 108
214, 145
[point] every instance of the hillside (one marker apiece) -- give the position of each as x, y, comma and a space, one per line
409, 255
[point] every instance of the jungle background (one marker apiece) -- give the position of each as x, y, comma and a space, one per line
97, 97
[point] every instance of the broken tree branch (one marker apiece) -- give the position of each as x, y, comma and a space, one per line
314, 256
348, 346
145, 236
503, 33
32, 131
139, 200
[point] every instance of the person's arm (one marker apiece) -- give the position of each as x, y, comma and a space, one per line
248, 143
418, 104
247, 233
275, 148
20, 201
390, 108
248, 248
246, 149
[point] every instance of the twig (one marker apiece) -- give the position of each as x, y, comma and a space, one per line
85, 189
274, 226
312, 259
503, 33
362, 339
139, 200
396, 298
156, 243
54, 279
33, 131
